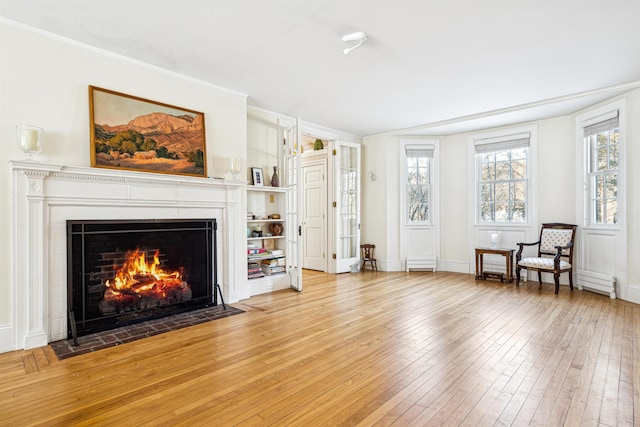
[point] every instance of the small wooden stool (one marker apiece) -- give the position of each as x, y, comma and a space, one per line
366, 251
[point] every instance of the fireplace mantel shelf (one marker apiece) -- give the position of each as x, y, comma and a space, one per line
117, 176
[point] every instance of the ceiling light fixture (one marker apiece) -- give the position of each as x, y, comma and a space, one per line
359, 38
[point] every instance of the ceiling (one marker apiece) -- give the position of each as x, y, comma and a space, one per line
429, 67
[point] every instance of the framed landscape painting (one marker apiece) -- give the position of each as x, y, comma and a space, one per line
132, 133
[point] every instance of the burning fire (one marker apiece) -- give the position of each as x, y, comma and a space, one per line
143, 284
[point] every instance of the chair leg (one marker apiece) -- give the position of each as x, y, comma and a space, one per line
517, 275
540, 277
556, 278
571, 279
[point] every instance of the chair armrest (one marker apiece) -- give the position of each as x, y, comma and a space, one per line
559, 249
521, 247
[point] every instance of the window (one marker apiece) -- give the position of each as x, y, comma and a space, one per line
603, 142
502, 165
418, 185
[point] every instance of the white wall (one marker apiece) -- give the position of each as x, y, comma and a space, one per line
44, 82
373, 209
633, 194
557, 170
556, 190
454, 203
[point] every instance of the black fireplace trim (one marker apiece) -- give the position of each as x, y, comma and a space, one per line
88, 227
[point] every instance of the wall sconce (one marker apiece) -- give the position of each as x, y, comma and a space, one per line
235, 166
29, 140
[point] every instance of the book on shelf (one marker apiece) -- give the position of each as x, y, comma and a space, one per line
254, 270
273, 262
270, 270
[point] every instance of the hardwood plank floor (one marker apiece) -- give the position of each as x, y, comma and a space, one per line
356, 349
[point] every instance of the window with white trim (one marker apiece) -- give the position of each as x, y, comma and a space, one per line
419, 166
502, 165
602, 139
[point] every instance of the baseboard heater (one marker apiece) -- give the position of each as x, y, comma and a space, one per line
422, 263
597, 281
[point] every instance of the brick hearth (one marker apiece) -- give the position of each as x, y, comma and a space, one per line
124, 334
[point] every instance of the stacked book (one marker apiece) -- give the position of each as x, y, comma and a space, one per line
273, 266
255, 251
254, 270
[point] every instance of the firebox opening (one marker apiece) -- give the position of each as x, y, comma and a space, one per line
123, 271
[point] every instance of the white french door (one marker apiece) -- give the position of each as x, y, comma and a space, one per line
293, 180
346, 205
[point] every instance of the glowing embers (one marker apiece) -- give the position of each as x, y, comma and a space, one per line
139, 285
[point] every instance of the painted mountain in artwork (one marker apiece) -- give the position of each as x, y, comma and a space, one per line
153, 142
177, 133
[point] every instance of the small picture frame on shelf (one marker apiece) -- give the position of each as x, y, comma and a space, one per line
258, 178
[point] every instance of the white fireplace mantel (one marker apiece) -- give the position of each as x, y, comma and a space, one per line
45, 196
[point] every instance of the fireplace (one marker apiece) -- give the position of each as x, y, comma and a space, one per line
46, 196
127, 271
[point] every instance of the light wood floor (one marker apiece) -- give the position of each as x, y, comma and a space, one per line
362, 349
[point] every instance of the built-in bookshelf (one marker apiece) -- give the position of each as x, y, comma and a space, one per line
266, 242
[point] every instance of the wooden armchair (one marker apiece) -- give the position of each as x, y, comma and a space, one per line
555, 253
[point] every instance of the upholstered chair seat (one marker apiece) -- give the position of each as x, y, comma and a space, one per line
542, 263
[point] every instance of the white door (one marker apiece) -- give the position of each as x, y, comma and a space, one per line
314, 228
347, 205
292, 174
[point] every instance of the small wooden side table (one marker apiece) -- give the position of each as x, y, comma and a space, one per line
507, 253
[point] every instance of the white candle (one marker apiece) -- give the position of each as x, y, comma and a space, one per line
30, 140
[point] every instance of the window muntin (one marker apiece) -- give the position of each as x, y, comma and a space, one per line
418, 186
604, 153
502, 184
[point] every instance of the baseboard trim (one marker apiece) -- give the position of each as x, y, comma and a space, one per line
633, 293
455, 267
6, 338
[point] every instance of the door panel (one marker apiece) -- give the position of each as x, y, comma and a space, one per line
291, 137
599, 251
314, 222
347, 169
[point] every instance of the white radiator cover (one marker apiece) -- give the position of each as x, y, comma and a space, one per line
428, 262
597, 281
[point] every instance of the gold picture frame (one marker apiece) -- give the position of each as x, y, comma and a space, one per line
137, 134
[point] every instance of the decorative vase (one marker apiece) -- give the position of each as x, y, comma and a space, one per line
318, 145
276, 228
275, 180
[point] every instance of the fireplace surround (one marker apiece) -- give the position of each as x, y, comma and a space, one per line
127, 271
46, 196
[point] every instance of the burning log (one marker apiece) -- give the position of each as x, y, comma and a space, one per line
142, 285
